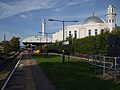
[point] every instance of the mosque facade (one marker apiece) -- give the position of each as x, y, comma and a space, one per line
92, 26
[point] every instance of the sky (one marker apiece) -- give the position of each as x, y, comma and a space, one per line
22, 18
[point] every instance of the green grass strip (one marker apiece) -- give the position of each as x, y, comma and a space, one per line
75, 75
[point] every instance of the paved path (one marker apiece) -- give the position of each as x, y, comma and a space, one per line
75, 57
29, 76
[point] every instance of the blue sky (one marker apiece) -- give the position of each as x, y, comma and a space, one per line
22, 18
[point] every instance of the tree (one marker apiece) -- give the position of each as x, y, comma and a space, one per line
15, 44
7, 48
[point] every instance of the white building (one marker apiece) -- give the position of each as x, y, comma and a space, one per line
43, 39
93, 25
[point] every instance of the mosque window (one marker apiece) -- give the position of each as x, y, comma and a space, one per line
69, 33
113, 21
102, 30
96, 32
109, 21
75, 34
89, 32
112, 10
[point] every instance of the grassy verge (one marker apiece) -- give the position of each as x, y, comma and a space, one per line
5, 56
76, 75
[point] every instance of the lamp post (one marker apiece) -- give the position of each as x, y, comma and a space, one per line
4, 43
63, 21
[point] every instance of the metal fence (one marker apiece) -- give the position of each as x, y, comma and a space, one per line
110, 65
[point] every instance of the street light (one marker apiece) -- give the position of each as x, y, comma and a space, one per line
63, 32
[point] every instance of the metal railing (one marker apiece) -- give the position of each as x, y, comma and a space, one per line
109, 65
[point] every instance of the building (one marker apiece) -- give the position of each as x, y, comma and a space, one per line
38, 40
92, 26
1, 49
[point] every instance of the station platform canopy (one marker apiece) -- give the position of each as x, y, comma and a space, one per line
37, 40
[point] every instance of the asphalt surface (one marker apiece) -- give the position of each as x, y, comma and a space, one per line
29, 76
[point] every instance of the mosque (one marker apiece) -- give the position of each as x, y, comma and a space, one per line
92, 26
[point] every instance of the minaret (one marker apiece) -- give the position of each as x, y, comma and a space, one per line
43, 27
111, 17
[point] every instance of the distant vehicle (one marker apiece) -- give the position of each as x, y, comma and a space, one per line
37, 51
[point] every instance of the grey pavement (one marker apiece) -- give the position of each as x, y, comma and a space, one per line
41, 80
29, 76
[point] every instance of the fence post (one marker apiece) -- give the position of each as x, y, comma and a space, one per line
115, 78
104, 67
95, 65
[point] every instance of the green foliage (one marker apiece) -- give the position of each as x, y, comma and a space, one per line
7, 48
15, 44
88, 45
91, 45
56, 47
12, 45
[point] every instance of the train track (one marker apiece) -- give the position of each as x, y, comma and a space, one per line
12, 64
7, 61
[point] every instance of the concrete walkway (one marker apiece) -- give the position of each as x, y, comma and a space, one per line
29, 76
40, 79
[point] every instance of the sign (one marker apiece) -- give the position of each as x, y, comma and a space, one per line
65, 43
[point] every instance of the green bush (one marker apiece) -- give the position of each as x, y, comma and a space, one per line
88, 45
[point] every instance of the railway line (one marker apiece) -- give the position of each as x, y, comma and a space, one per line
7, 61
27, 75
7, 69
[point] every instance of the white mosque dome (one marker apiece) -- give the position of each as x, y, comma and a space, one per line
93, 20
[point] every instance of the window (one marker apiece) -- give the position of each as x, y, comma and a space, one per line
109, 21
113, 20
75, 34
102, 30
112, 10
0, 51
89, 32
69, 33
96, 32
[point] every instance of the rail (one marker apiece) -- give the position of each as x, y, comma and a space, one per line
6, 80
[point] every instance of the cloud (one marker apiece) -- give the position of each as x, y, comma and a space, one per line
13, 8
24, 16
76, 2
58, 9
67, 3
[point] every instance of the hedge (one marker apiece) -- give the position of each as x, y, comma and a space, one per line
88, 45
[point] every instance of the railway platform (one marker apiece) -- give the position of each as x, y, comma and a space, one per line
29, 76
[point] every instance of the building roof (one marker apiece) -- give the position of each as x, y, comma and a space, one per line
93, 20
37, 40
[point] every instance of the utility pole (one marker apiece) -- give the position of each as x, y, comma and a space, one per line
63, 34
4, 37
